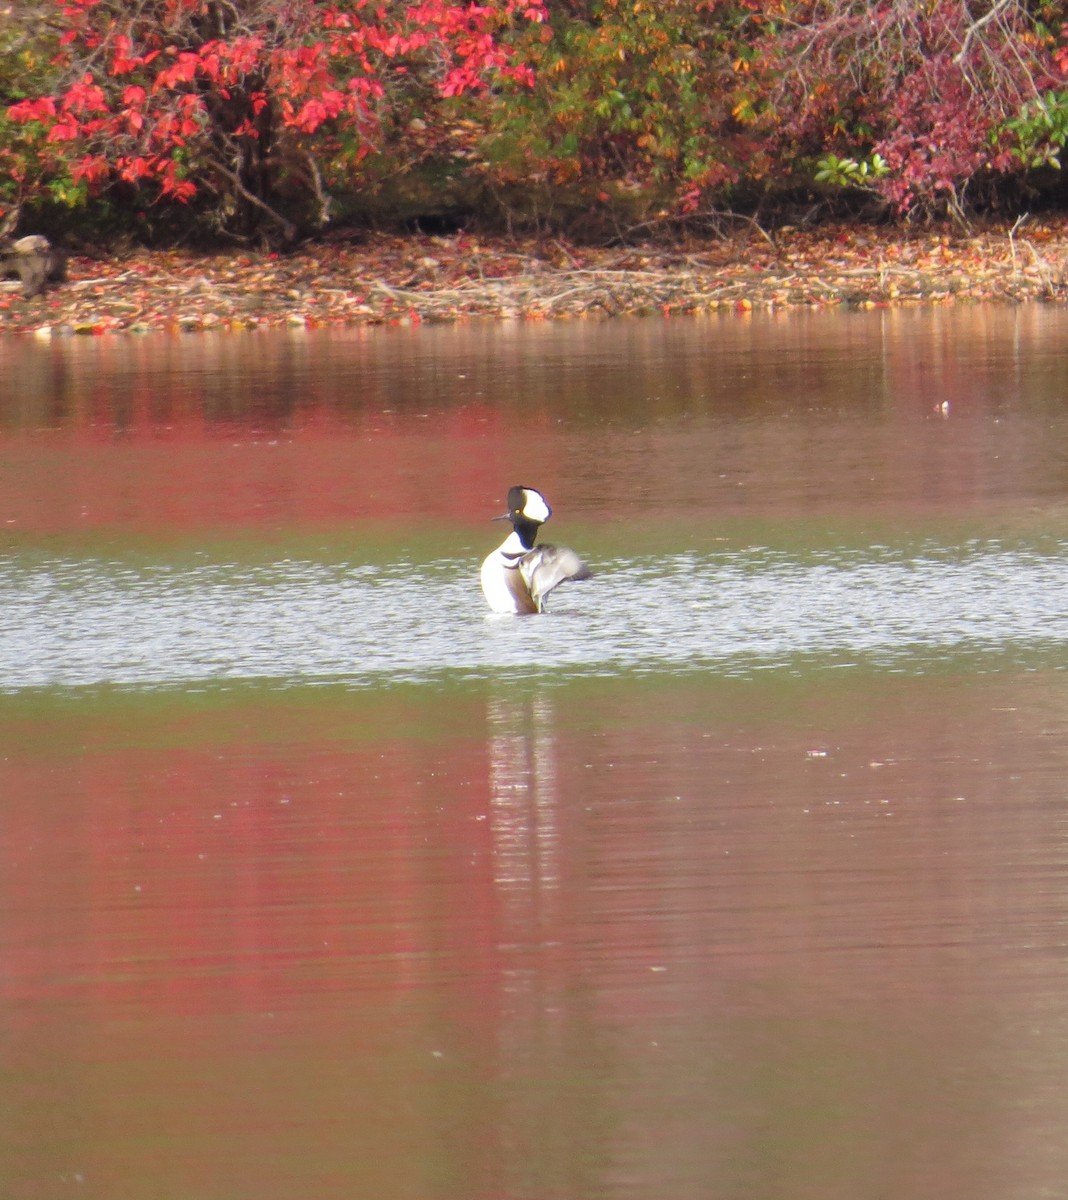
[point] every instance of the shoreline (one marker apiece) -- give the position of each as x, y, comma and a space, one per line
384, 279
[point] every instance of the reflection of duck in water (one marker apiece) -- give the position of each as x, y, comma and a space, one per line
524, 812
518, 575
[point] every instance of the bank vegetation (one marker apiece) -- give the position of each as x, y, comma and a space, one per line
272, 124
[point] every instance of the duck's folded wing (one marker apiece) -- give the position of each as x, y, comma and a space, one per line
546, 567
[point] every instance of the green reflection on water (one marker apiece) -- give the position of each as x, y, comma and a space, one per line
275, 713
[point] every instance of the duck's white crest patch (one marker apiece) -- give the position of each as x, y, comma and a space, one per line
534, 506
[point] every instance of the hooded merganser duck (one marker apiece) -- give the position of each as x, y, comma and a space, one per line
518, 575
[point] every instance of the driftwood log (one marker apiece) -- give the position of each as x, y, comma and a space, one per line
35, 261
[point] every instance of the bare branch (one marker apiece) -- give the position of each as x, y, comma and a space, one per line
289, 230
994, 12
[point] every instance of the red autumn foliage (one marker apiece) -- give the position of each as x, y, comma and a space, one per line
275, 117
226, 99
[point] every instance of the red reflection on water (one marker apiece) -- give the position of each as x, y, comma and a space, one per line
190, 881
240, 873
629, 924
245, 434
633, 420
198, 478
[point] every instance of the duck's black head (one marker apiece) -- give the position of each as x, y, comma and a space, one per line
528, 511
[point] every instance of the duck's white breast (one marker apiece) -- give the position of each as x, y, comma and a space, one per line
504, 587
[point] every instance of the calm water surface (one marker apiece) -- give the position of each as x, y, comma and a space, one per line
741, 873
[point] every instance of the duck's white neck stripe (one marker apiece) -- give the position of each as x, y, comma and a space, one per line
512, 546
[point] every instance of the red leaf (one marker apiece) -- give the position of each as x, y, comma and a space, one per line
63, 131
32, 110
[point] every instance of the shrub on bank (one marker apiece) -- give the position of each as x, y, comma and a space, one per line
272, 119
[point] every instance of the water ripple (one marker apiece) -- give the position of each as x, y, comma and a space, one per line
90, 622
